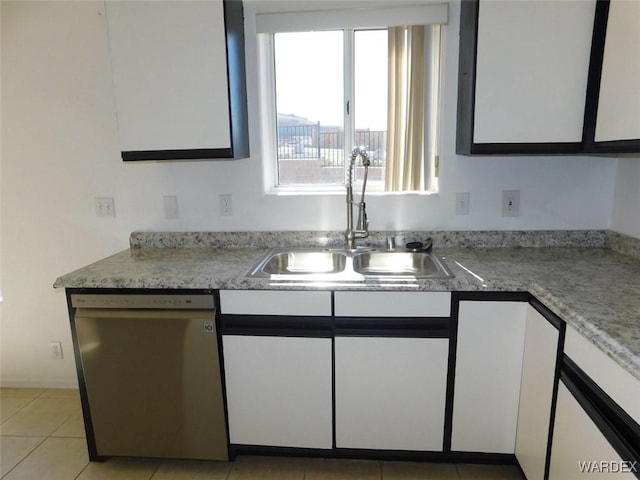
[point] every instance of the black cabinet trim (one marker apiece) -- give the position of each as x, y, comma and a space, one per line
92, 448
549, 148
467, 76
595, 72
451, 372
409, 327
237, 78
366, 454
551, 317
276, 325
493, 296
191, 154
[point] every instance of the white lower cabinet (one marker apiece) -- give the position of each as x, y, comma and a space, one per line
579, 449
536, 394
279, 390
489, 351
390, 392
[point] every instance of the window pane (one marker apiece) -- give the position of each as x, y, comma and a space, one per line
371, 52
309, 106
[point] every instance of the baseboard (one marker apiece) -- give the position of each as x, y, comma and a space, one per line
8, 382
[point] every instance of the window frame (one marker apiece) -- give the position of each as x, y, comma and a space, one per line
348, 20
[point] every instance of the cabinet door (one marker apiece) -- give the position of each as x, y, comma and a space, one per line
523, 76
390, 392
279, 390
578, 444
490, 345
618, 102
169, 62
536, 394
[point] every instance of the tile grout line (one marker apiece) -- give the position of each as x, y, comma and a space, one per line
31, 399
44, 439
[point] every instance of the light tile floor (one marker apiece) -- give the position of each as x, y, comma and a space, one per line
42, 437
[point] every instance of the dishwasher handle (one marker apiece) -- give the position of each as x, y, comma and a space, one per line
141, 314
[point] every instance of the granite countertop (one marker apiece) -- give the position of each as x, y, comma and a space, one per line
583, 279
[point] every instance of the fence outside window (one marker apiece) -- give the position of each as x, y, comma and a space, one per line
316, 142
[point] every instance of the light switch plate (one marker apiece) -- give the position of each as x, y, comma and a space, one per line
462, 203
170, 207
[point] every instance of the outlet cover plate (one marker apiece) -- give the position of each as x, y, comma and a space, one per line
510, 203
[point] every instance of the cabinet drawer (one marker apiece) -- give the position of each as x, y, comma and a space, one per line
619, 384
269, 302
392, 304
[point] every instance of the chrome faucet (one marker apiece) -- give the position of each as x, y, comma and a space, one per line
361, 230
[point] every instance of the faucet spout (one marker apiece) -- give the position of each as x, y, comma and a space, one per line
362, 226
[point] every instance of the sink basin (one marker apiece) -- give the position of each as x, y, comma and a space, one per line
318, 264
415, 264
303, 262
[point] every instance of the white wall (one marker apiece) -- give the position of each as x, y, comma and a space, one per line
59, 151
626, 204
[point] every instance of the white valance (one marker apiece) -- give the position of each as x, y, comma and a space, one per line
365, 17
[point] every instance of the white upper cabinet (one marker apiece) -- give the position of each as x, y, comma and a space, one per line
532, 69
172, 92
548, 77
619, 101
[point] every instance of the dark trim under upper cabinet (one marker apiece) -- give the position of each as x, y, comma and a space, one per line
237, 95
192, 154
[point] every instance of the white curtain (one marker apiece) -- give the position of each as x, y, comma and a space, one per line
405, 169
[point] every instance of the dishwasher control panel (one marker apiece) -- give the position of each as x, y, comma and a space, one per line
151, 301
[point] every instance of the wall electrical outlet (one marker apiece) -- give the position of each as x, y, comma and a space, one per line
462, 203
56, 350
105, 207
226, 205
510, 203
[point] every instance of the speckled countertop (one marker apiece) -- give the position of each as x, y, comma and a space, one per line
582, 276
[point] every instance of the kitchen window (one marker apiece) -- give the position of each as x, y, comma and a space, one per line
333, 80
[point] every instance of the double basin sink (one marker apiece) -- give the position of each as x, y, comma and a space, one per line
318, 264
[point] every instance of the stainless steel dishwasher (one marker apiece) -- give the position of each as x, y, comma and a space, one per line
150, 375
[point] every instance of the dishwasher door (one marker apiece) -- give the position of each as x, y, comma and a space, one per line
152, 380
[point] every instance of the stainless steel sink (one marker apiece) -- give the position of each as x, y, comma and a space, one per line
414, 264
318, 264
301, 262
